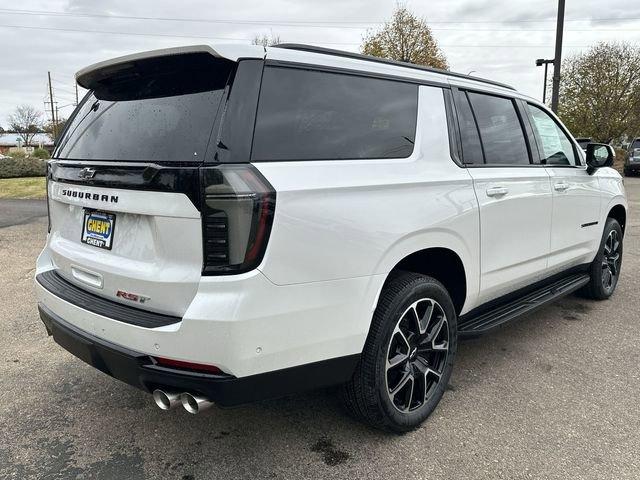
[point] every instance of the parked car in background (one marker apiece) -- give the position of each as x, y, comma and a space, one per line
632, 162
233, 223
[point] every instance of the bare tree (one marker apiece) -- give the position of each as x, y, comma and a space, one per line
266, 40
600, 92
406, 38
26, 121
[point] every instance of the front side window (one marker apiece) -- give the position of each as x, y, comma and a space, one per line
501, 132
556, 148
312, 115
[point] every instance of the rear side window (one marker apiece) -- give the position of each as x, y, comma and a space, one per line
557, 149
313, 115
152, 110
500, 129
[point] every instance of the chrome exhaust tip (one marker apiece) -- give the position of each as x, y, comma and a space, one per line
166, 400
195, 403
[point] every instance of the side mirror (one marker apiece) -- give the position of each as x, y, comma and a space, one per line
599, 155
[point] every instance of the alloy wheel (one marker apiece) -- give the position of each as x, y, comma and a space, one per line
417, 355
611, 261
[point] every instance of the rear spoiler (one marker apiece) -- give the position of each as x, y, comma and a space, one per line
90, 76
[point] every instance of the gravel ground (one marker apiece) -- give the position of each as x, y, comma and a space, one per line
554, 395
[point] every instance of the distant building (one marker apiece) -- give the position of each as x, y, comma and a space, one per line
13, 141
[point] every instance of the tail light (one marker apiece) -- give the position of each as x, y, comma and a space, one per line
237, 214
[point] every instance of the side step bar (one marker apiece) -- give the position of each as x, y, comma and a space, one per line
471, 325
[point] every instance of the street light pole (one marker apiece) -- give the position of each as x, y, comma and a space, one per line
555, 93
540, 62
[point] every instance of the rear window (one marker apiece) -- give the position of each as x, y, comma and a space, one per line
636, 144
312, 115
158, 110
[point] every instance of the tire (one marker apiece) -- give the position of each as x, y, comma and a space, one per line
415, 325
605, 268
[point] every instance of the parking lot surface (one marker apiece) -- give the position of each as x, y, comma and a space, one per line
554, 395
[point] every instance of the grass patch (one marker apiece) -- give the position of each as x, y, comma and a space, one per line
29, 187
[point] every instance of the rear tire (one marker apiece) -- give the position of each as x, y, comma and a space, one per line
605, 268
408, 356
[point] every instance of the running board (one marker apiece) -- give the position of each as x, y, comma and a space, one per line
471, 324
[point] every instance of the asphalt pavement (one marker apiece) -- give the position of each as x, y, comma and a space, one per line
554, 395
18, 212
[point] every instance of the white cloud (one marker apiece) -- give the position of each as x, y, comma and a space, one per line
501, 51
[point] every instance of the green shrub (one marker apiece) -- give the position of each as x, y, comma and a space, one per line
22, 167
18, 154
40, 153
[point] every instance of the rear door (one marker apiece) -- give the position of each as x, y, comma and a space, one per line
575, 230
513, 194
124, 183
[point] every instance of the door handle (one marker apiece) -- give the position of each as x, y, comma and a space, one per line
496, 191
561, 187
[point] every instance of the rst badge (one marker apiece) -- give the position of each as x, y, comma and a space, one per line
133, 297
97, 229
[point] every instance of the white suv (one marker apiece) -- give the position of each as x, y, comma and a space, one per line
233, 223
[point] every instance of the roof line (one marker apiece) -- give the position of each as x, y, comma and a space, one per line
370, 58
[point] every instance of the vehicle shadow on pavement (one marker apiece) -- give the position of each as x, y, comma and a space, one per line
82, 423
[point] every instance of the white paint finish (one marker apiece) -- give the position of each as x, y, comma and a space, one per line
228, 320
343, 219
163, 204
328, 60
612, 189
340, 227
515, 227
156, 251
576, 202
230, 51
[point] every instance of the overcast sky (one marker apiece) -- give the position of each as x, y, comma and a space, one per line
496, 39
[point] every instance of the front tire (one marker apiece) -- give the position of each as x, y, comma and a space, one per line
408, 356
605, 268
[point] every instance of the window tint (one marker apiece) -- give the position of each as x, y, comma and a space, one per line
471, 148
310, 115
635, 144
556, 148
158, 110
501, 133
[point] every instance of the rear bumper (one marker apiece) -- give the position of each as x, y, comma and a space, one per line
632, 167
138, 369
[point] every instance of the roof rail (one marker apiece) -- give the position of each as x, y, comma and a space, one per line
370, 58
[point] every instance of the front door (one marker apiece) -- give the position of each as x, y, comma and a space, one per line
575, 228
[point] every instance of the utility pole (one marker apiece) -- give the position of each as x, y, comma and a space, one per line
53, 117
557, 61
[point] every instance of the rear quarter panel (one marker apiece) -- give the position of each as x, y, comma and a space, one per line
352, 218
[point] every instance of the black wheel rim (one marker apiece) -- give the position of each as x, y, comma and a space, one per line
611, 261
417, 355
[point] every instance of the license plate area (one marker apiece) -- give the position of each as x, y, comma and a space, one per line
97, 228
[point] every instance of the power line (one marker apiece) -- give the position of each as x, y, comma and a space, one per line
313, 24
109, 32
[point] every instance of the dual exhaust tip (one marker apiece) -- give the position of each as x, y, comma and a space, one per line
191, 403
